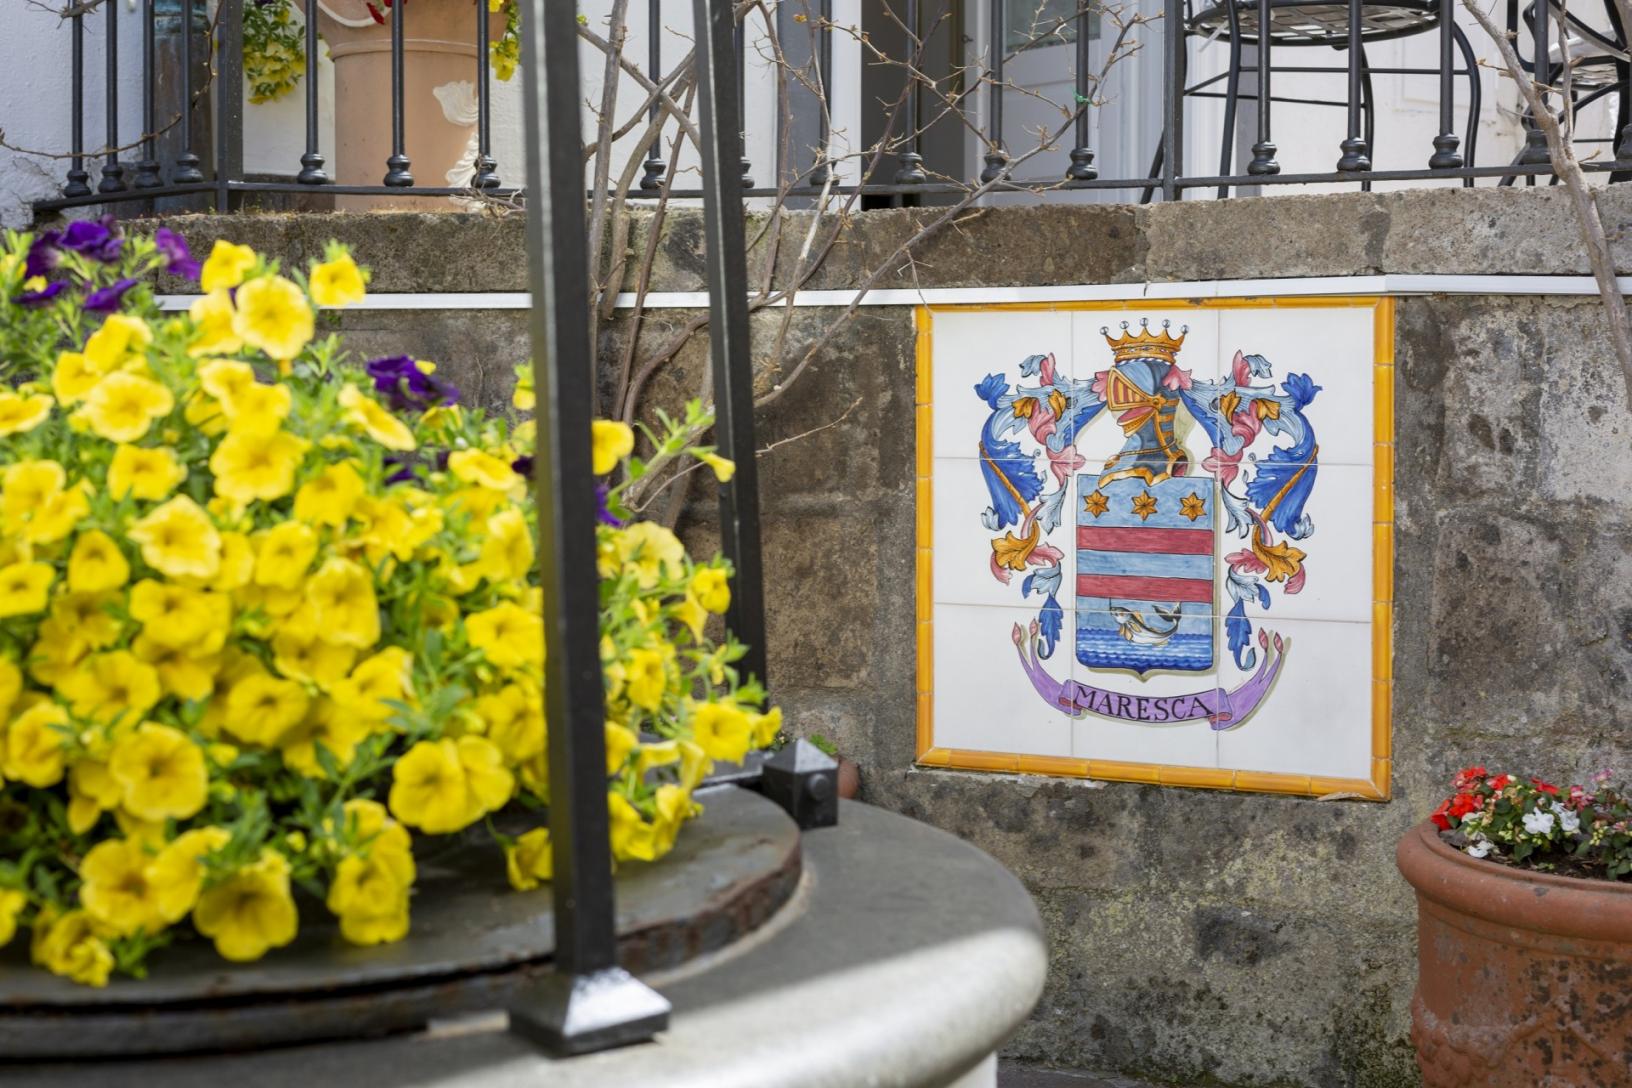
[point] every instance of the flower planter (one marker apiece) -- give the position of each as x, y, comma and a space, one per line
439, 94
1524, 978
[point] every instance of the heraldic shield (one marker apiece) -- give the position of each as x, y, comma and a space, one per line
1145, 534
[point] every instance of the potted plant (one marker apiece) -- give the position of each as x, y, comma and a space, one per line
269, 619
1524, 934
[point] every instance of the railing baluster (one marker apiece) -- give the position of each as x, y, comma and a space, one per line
229, 101
824, 105
587, 1002
729, 346
1263, 152
1082, 166
77, 175
147, 170
739, 38
187, 163
911, 162
1445, 155
1354, 158
1535, 141
651, 178
997, 157
486, 176
113, 172
396, 167
311, 163
1172, 150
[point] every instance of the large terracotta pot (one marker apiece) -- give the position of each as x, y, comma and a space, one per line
1524, 980
439, 93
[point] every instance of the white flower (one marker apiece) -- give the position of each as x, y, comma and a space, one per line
1538, 823
1480, 848
1568, 820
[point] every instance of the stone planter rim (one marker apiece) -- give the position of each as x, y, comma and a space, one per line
1563, 906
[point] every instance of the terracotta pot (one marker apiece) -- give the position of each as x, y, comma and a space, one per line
849, 778
439, 94
1524, 980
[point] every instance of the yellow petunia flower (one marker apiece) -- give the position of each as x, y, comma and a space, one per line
646, 678
262, 708
224, 379
530, 860
57, 516
160, 771
370, 417
12, 902
311, 659
274, 316
116, 892
237, 562
327, 725
650, 552
11, 685
178, 539
283, 553
86, 618
183, 673
631, 835
724, 468
722, 730
482, 469
610, 442
766, 726
112, 688
226, 266
123, 406
91, 792
70, 945
256, 466
181, 616
510, 636
34, 741
25, 587
116, 341
342, 595
444, 785
148, 474
96, 564
177, 873
620, 741
74, 376
258, 408
331, 496
338, 282
515, 722
212, 325
712, 588
20, 414
250, 911
507, 550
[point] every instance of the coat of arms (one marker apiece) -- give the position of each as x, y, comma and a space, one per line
1149, 521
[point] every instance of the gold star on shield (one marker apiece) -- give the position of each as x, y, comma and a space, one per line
1144, 504
1096, 503
1192, 506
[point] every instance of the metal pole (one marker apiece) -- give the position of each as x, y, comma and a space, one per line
1445, 156
187, 163
311, 163
396, 167
725, 245
824, 105
113, 172
1263, 152
1353, 146
1082, 166
738, 42
229, 101
1172, 97
997, 157
651, 179
911, 163
587, 1002
486, 176
1535, 141
147, 170
77, 175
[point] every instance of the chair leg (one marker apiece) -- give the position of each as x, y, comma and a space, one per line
1232, 96
1623, 117
1470, 136
1368, 109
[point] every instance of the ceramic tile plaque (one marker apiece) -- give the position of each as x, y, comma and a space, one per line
1155, 541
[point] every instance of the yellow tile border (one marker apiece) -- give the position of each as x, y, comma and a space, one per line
1378, 786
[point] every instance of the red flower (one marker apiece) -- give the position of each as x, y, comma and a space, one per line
1500, 782
1544, 787
1467, 776
1440, 818
1464, 803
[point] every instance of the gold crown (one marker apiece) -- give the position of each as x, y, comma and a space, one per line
1143, 344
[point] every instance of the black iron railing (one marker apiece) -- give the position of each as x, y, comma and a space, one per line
898, 171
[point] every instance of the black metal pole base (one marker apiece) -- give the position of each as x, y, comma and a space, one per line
578, 1014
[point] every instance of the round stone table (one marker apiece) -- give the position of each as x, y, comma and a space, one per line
905, 957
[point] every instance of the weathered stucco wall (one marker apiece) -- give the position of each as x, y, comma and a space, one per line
1197, 937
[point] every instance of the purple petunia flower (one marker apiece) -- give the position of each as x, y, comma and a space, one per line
408, 387
40, 297
42, 254
603, 512
100, 240
523, 466
405, 468
174, 248
107, 299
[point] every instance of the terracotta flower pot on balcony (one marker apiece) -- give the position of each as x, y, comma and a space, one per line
439, 92
1524, 978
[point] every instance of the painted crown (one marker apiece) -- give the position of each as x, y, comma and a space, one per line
1143, 344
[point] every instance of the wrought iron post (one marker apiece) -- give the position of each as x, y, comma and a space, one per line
311, 163
588, 1003
1172, 150
229, 100
113, 171
1082, 166
1354, 158
739, 42
651, 178
147, 170
77, 174
486, 176
997, 157
396, 166
824, 82
911, 162
1263, 152
725, 244
1535, 141
187, 163
1445, 156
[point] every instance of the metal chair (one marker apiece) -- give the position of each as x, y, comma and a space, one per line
1599, 63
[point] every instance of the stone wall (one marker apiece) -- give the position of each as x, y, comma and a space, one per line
1196, 937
